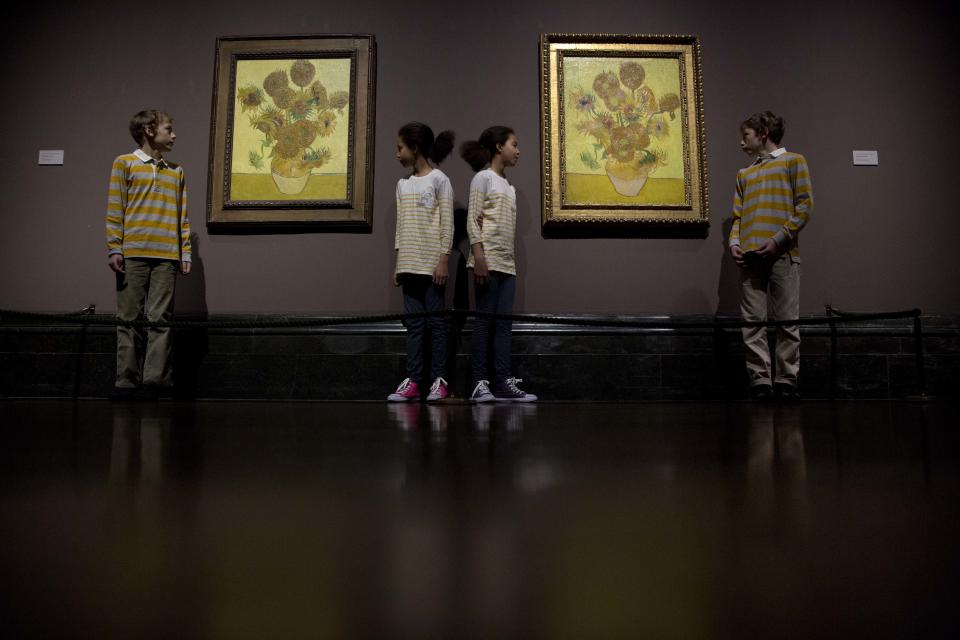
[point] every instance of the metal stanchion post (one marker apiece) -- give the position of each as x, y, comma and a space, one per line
834, 356
918, 356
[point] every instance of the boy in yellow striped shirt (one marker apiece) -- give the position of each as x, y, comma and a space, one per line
771, 206
148, 241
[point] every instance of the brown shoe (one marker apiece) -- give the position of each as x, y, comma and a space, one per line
787, 392
761, 393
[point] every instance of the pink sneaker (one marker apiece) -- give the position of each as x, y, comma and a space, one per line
438, 391
407, 391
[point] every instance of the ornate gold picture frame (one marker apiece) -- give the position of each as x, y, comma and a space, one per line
292, 133
622, 130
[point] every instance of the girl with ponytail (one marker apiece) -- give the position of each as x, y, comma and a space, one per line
491, 226
423, 241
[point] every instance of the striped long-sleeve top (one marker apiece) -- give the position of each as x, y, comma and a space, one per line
774, 198
147, 209
424, 222
492, 220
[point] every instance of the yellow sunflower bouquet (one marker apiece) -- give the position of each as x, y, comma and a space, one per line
291, 120
625, 118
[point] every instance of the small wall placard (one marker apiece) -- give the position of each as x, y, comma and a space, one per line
50, 156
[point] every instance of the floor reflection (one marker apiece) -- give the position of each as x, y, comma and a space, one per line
776, 467
227, 520
509, 418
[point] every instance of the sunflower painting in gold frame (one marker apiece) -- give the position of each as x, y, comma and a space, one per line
293, 132
622, 130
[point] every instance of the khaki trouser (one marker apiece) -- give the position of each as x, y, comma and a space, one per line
145, 291
776, 284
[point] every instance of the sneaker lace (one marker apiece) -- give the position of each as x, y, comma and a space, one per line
403, 385
482, 387
437, 383
512, 385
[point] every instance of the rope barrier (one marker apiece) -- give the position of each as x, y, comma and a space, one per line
84, 317
716, 324
833, 318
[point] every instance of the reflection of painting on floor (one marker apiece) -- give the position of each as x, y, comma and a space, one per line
291, 130
621, 129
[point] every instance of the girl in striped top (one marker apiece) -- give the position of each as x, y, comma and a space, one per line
423, 241
491, 226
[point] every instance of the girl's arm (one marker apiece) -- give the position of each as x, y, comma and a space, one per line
396, 240
478, 193
445, 202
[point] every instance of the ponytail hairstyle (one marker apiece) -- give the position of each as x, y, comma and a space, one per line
419, 136
479, 153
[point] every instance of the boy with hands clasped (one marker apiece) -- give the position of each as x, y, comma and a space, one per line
771, 206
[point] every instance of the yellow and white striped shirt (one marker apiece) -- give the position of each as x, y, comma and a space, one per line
147, 209
774, 198
492, 220
424, 222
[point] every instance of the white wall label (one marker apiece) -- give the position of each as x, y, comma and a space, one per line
51, 156
866, 158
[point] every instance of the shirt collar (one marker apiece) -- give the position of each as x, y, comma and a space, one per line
149, 160
776, 153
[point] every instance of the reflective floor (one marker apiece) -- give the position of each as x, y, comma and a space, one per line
288, 520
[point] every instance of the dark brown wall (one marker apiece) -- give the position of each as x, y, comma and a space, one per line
846, 76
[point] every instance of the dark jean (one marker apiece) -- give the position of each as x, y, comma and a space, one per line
421, 294
145, 291
496, 296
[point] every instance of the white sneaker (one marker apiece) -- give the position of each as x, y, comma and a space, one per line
481, 392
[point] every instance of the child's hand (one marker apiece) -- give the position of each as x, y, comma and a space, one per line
440, 272
116, 262
396, 279
768, 250
480, 272
185, 268
737, 254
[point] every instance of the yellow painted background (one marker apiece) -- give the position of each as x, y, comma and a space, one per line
327, 182
586, 185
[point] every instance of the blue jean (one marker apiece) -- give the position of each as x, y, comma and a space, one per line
496, 296
421, 294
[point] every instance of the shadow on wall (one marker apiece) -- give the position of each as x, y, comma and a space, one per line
191, 295
524, 221
728, 286
190, 346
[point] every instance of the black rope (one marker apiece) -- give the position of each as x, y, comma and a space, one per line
84, 317
674, 324
198, 324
